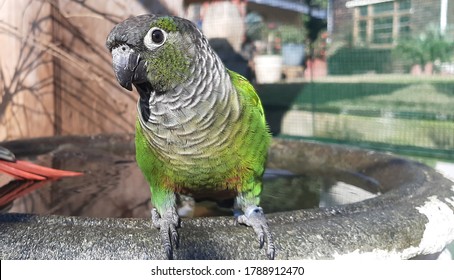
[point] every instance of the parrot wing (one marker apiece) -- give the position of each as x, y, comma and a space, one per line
245, 89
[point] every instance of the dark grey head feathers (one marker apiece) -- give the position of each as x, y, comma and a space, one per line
130, 32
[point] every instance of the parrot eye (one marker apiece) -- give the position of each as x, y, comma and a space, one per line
155, 38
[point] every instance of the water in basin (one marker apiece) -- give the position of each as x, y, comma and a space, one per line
113, 186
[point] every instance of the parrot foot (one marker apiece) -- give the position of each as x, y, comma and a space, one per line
255, 218
167, 225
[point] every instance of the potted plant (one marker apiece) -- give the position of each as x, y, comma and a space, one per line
268, 61
293, 47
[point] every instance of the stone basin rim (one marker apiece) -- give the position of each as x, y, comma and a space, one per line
414, 216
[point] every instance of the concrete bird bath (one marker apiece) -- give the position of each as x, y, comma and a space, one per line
409, 214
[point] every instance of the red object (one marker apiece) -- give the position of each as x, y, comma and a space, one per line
27, 177
18, 189
24, 170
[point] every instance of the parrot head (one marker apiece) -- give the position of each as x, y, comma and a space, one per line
154, 53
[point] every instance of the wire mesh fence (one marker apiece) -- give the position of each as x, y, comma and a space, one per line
381, 75
407, 115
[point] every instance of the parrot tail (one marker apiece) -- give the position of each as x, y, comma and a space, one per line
24, 170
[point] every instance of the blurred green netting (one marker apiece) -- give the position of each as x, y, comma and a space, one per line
389, 82
398, 113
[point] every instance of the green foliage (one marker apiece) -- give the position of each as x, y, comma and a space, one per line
318, 3
292, 34
428, 46
258, 30
255, 26
389, 109
347, 61
320, 45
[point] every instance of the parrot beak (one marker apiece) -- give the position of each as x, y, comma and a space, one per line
128, 66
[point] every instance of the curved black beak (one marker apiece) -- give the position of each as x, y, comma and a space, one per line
128, 66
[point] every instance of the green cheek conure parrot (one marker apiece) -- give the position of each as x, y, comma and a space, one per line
200, 129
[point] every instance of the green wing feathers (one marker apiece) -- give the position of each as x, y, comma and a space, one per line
245, 89
256, 140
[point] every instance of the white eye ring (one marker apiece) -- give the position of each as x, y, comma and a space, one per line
155, 37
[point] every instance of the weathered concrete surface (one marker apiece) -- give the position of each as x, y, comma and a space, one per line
414, 216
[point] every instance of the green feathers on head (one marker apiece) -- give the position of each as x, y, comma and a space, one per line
168, 64
168, 67
166, 23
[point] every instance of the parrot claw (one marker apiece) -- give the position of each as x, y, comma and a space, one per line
261, 240
167, 224
255, 218
175, 238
